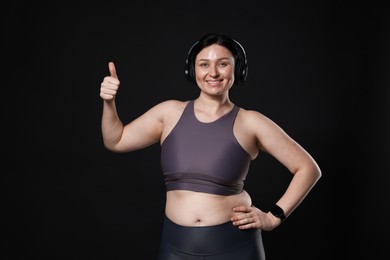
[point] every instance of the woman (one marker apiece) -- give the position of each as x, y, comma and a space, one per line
207, 145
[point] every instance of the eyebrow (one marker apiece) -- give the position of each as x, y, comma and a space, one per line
224, 58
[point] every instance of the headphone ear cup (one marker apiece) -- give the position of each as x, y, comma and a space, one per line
241, 66
187, 71
237, 71
192, 73
244, 72
241, 70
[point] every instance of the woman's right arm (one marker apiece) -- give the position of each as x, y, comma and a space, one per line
141, 132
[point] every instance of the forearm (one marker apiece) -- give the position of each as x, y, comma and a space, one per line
300, 185
111, 125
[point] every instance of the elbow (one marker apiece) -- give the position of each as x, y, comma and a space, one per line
317, 173
311, 172
110, 147
116, 147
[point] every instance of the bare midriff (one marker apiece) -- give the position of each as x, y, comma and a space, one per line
189, 208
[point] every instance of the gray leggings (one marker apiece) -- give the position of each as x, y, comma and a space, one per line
219, 242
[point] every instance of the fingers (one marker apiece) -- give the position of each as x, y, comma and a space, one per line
245, 220
112, 69
108, 91
110, 84
241, 219
241, 215
245, 224
243, 209
245, 217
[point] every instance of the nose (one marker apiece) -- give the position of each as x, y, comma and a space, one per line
214, 71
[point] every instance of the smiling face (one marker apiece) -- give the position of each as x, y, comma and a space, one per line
214, 70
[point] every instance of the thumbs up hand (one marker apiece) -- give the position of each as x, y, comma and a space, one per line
110, 84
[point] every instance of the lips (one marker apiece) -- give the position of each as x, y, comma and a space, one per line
214, 82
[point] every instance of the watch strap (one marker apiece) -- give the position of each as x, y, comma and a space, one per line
277, 212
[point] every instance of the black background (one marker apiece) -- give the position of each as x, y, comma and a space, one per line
319, 69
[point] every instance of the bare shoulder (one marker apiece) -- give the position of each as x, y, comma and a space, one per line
169, 109
253, 118
172, 104
268, 134
259, 124
170, 112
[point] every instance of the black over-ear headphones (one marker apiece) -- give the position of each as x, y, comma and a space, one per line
241, 64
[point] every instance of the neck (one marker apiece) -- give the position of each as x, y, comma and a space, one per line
213, 105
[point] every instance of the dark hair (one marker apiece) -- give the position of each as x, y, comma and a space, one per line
241, 67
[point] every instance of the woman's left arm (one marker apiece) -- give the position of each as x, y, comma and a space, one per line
272, 139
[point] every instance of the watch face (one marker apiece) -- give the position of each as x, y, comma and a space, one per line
277, 212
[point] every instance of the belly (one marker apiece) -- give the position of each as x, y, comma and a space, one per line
190, 208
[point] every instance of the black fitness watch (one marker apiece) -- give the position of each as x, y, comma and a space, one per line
277, 212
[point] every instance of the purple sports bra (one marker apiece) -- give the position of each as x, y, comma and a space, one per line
204, 157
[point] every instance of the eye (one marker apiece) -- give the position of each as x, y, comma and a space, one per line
203, 65
223, 64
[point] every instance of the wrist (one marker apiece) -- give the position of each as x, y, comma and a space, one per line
278, 212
